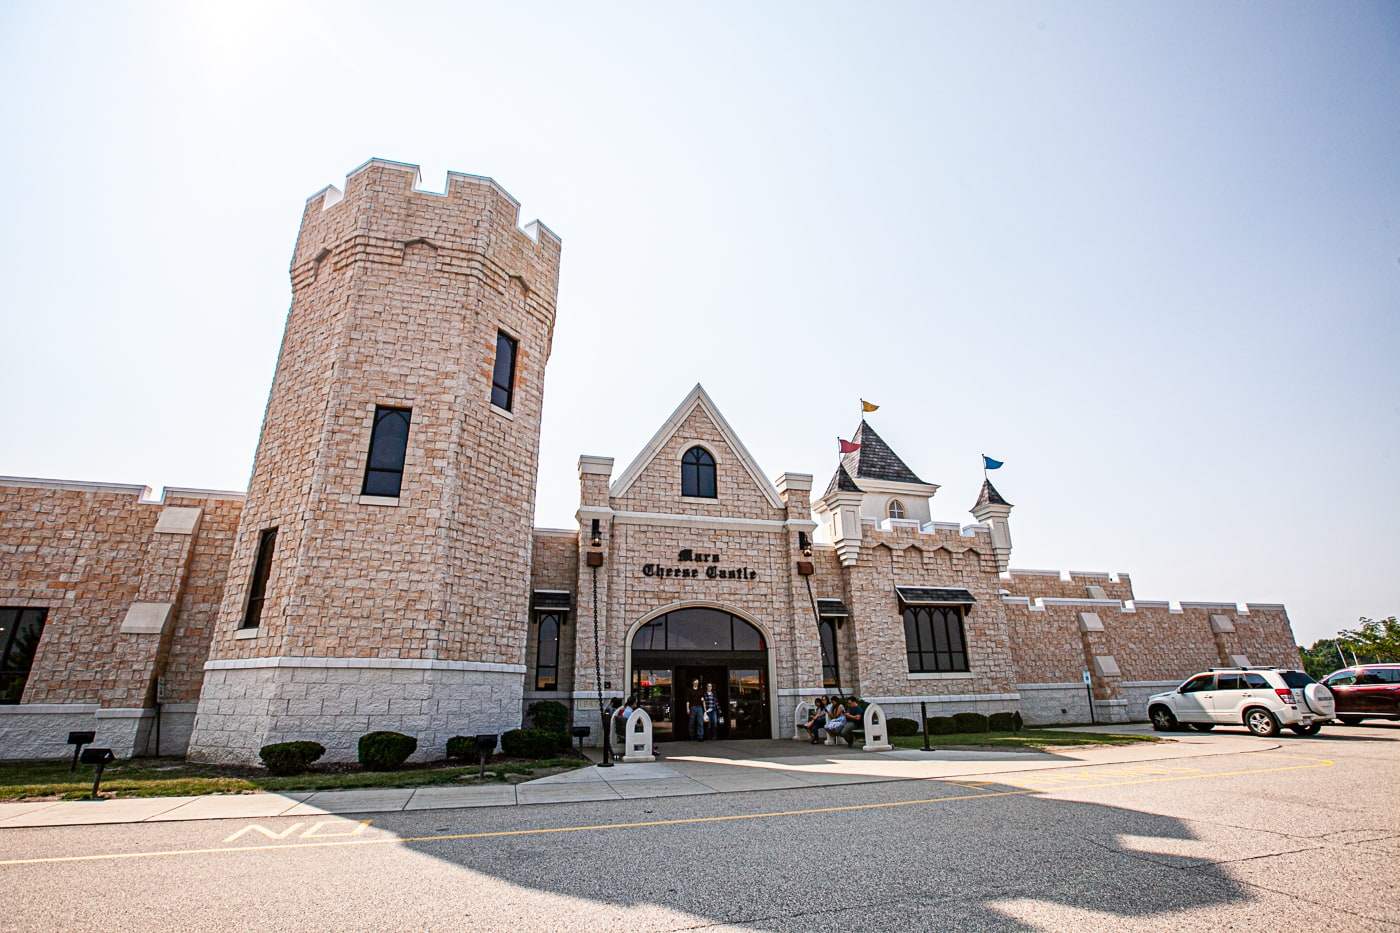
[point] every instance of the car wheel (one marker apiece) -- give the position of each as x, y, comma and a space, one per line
1350, 720
1162, 719
1310, 729
1202, 726
1261, 722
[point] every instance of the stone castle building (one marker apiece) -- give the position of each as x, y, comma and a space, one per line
383, 570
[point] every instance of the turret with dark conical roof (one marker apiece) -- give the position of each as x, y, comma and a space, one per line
994, 510
871, 483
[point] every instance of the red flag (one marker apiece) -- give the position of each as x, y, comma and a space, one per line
847, 447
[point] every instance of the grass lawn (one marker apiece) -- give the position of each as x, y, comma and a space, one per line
1026, 738
175, 777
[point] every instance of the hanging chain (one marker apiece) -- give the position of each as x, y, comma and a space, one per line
597, 651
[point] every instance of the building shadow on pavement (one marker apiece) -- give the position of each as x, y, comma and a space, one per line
925, 855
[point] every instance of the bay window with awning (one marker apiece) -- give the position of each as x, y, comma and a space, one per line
934, 635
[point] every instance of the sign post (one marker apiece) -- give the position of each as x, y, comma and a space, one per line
1089, 688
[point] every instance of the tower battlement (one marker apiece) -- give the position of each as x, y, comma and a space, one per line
383, 213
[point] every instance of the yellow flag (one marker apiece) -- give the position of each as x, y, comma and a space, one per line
866, 406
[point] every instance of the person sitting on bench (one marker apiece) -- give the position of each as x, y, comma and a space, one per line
818, 719
854, 720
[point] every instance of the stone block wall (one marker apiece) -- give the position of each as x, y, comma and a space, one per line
131, 587
936, 556
251, 703
1131, 648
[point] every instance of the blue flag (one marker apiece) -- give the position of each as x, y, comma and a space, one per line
989, 464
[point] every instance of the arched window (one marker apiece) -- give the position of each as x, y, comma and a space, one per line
698, 473
547, 652
895, 509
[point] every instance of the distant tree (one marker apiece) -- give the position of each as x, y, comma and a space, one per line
1371, 642
1322, 658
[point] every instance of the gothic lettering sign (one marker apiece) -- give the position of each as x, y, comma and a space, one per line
709, 568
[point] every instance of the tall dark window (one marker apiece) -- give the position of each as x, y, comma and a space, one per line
547, 652
262, 569
831, 672
503, 377
698, 473
388, 443
20, 628
933, 636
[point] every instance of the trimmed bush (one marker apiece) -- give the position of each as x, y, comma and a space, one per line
534, 743
898, 726
386, 751
549, 714
1002, 722
1017, 723
464, 747
286, 758
969, 722
941, 725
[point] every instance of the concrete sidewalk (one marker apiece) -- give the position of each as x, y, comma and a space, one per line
687, 769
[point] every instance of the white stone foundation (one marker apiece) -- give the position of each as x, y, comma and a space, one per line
246, 704
38, 731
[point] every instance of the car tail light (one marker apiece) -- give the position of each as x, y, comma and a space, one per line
1286, 696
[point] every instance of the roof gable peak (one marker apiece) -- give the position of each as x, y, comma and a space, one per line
697, 399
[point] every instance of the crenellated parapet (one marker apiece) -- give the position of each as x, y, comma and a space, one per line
385, 217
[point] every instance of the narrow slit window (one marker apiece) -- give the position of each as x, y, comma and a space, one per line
547, 652
698, 473
388, 444
20, 629
262, 569
503, 376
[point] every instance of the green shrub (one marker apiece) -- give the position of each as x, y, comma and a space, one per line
898, 726
464, 747
969, 722
549, 714
386, 751
286, 758
1002, 722
534, 743
1017, 723
941, 725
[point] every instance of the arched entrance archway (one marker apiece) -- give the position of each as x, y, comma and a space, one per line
710, 645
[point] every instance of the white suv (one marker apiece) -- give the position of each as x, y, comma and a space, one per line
1260, 698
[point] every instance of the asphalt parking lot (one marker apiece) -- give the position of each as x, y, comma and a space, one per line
1275, 835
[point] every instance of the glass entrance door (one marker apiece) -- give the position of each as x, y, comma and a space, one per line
711, 646
748, 703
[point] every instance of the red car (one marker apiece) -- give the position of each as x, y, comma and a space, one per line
1367, 691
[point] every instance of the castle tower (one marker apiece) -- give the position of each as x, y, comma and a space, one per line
380, 575
871, 483
994, 510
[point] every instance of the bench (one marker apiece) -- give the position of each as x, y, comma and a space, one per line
871, 734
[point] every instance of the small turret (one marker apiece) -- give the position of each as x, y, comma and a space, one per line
994, 510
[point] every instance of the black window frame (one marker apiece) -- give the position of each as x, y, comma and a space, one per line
503, 393
257, 587
936, 657
697, 466
384, 462
17, 663
543, 619
831, 662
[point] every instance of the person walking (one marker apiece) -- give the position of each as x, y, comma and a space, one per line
711, 702
695, 709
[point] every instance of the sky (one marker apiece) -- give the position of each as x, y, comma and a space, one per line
1148, 255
